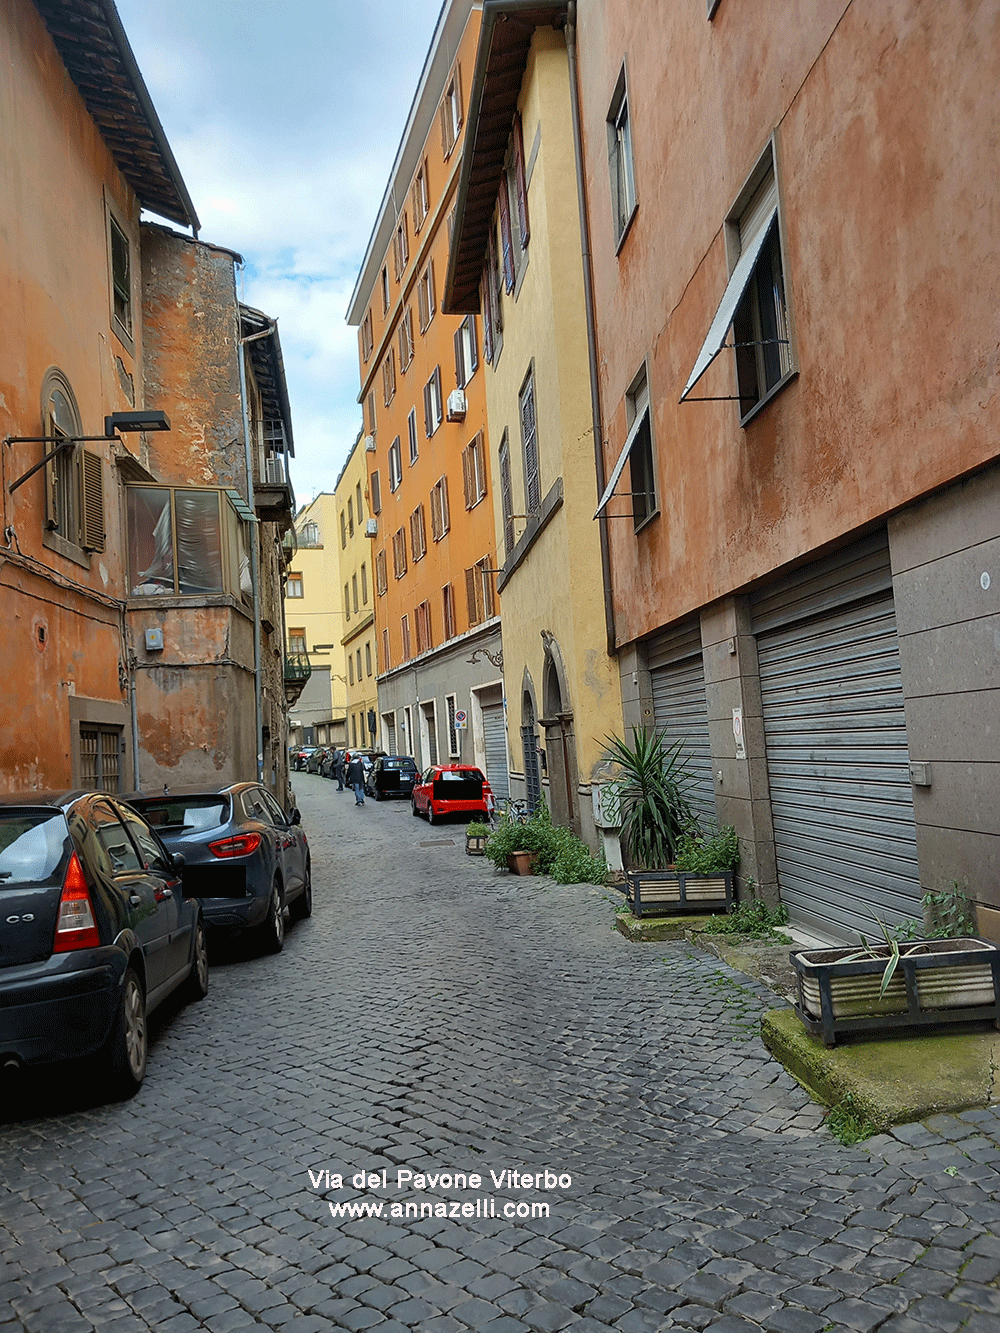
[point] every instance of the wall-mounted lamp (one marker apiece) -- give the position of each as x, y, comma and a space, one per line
117, 421
126, 422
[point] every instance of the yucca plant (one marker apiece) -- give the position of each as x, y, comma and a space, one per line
651, 795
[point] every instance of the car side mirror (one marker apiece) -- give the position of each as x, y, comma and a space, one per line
295, 817
177, 860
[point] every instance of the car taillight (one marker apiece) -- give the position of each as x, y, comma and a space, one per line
75, 924
241, 844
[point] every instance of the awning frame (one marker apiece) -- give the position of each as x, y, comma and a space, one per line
619, 466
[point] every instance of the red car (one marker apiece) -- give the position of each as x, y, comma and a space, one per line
451, 789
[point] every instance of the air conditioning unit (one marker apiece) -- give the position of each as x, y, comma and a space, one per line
274, 471
369, 444
456, 405
371, 528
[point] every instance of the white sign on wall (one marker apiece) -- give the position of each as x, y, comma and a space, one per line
741, 751
461, 719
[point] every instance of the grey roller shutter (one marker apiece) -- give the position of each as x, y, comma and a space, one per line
680, 708
835, 738
495, 741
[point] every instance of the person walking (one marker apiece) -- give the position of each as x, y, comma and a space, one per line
338, 768
355, 775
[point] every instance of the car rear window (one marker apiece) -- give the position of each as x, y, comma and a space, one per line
33, 846
192, 814
407, 764
463, 775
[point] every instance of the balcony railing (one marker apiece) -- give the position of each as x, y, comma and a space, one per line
298, 669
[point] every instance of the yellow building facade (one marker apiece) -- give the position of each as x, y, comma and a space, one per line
517, 258
357, 640
314, 625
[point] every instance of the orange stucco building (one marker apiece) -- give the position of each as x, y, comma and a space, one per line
422, 395
793, 231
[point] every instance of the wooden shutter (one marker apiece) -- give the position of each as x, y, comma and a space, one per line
506, 236
479, 470
520, 184
529, 437
467, 476
486, 583
93, 502
446, 142
470, 595
435, 513
445, 513
460, 374
427, 410
487, 307
438, 403
506, 498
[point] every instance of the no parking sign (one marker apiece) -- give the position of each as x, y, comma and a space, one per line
461, 719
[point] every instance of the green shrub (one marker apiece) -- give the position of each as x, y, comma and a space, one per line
560, 853
651, 793
477, 829
752, 918
709, 852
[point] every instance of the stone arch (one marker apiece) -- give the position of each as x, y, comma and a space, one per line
560, 739
529, 741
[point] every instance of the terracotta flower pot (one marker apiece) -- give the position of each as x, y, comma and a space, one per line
522, 862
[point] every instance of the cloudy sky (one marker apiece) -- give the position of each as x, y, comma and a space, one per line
285, 117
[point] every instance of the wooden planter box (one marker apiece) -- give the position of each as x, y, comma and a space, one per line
475, 844
522, 862
935, 982
662, 892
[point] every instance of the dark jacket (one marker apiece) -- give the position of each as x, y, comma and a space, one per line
355, 775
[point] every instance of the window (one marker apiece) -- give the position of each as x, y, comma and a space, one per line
347, 601
399, 553
185, 541
368, 658
401, 247
364, 585
74, 477
389, 377
425, 297
453, 746
448, 610
479, 592
418, 534
343, 530
350, 516
641, 453
385, 650
529, 442
367, 344
406, 340
100, 748
359, 508
372, 426
360, 716
440, 516
385, 289
512, 207
350, 669
753, 304
354, 592
308, 536
506, 497
451, 113
354, 731
420, 197
623, 199
296, 641
121, 280
423, 619
474, 471
432, 403
375, 491
404, 628
395, 465
411, 429
492, 315
294, 586
381, 581
466, 351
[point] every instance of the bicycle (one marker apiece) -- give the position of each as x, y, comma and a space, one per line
511, 811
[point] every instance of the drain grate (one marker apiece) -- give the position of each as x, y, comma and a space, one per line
441, 842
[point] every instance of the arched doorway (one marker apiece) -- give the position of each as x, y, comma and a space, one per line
529, 745
560, 741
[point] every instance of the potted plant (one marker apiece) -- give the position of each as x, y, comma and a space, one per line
475, 838
897, 983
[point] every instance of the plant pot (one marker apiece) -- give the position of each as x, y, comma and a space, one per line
669, 891
475, 844
935, 982
522, 862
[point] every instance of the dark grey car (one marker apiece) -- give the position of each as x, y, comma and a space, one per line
96, 929
244, 857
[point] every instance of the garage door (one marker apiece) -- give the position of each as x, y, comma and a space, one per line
835, 737
680, 708
495, 742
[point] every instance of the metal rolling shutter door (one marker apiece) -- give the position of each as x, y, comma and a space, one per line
495, 741
835, 736
680, 709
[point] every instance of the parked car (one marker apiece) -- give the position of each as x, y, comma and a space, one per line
314, 760
329, 759
451, 789
391, 775
243, 856
300, 757
97, 928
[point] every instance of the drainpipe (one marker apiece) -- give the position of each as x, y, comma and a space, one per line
588, 296
254, 554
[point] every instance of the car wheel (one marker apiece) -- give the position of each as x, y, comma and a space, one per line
431, 817
196, 987
273, 929
413, 809
127, 1046
303, 905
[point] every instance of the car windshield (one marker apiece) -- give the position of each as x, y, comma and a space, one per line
33, 845
188, 812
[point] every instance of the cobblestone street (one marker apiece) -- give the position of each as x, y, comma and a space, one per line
439, 1017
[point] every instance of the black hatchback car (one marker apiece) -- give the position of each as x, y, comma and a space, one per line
96, 929
391, 775
243, 856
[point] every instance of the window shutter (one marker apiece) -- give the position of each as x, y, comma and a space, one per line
520, 183
431, 305
438, 404
460, 375
445, 514
467, 476
445, 128
470, 595
506, 498
93, 502
436, 513
486, 581
528, 435
473, 348
459, 118
427, 409
487, 315
506, 237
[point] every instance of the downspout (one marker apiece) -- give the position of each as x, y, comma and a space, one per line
254, 554
588, 296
